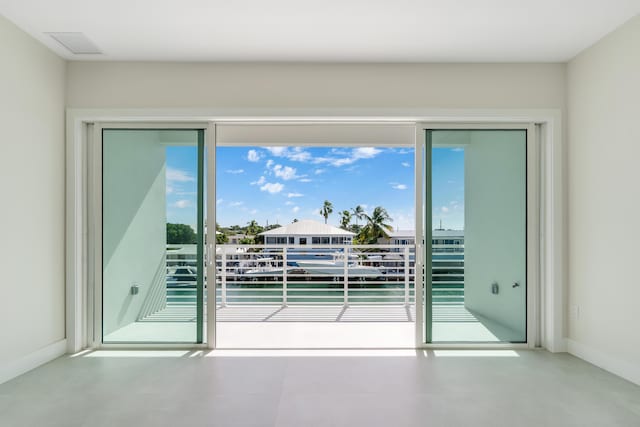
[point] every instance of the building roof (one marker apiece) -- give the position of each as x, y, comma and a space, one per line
398, 234
307, 227
448, 233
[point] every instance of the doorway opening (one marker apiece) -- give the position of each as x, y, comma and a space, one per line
315, 246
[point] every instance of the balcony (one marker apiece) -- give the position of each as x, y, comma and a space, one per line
321, 295
316, 275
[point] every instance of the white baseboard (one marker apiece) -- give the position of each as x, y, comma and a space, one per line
556, 345
624, 369
32, 360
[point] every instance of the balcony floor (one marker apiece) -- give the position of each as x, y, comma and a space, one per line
262, 326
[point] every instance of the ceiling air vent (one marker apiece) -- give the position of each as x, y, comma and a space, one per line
77, 43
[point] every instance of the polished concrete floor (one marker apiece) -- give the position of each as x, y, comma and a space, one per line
319, 388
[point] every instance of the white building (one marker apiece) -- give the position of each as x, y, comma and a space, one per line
235, 239
408, 237
308, 232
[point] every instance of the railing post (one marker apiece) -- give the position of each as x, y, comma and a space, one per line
406, 275
346, 275
284, 276
223, 277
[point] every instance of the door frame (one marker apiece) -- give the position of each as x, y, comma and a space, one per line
80, 129
424, 226
94, 309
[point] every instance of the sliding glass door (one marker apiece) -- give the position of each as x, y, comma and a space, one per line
153, 236
150, 269
476, 228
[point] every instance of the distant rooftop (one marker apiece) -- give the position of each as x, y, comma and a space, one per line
448, 233
397, 234
307, 227
401, 233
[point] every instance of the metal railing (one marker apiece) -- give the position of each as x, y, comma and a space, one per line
318, 274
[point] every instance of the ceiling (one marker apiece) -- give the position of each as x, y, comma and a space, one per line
327, 30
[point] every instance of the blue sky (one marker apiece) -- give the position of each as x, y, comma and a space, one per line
278, 184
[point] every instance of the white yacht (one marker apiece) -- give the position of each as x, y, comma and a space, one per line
336, 268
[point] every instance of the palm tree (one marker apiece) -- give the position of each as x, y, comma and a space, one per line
327, 209
358, 213
376, 226
345, 219
253, 228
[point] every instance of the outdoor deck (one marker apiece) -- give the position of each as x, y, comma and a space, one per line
264, 302
266, 326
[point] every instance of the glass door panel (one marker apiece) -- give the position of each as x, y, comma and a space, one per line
477, 279
152, 235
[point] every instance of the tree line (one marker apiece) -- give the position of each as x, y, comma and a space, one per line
373, 227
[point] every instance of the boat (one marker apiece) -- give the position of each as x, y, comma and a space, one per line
183, 276
261, 267
337, 268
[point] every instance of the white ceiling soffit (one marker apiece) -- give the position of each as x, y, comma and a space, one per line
370, 134
325, 31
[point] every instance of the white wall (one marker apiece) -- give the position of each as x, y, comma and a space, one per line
201, 85
32, 150
604, 202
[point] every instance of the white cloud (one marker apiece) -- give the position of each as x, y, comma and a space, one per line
289, 203
402, 150
352, 157
337, 157
296, 154
319, 171
302, 156
253, 156
406, 164
235, 204
182, 204
399, 186
366, 152
304, 180
290, 195
341, 162
169, 189
457, 149
277, 151
269, 163
272, 187
444, 209
295, 209
253, 211
235, 171
260, 181
177, 175
219, 201
285, 172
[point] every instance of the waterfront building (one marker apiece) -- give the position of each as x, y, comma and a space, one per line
308, 232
